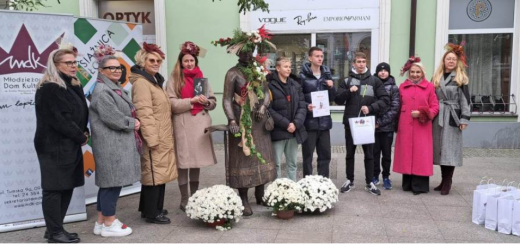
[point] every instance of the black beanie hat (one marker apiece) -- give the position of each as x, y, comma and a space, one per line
382, 66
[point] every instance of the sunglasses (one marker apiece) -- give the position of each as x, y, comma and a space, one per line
153, 61
70, 63
113, 68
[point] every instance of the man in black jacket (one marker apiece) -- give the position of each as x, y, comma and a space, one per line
288, 110
315, 76
360, 92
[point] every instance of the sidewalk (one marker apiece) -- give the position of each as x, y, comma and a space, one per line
359, 217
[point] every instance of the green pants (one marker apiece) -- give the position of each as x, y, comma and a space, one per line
290, 148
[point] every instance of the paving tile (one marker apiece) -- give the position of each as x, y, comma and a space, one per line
356, 238
435, 198
405, 211
404, 239
240, 235
448, 213
201, 234
466, 231
412, 228
358, 208
289, 236
359, 225
305, 222
510, 238
149, 233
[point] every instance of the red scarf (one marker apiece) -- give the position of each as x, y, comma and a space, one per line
188, 91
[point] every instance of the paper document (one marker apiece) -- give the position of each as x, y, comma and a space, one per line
320, 103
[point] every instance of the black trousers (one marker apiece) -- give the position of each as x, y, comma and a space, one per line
107, 200
319, 140
416, 183
151, 202
55, 205
368, 150
383, 145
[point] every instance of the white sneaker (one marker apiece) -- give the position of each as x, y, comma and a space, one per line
97, 228
117, 229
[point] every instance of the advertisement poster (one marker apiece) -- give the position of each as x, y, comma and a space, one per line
26, 40
89, 34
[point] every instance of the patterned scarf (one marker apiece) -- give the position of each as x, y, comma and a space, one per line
188, 91
138, 140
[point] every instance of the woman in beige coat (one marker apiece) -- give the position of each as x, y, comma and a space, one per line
158, 163
193, 147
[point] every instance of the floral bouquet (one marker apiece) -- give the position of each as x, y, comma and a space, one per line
217, 206
284, 195
320, 191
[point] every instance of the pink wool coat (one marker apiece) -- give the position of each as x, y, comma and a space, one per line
414, 144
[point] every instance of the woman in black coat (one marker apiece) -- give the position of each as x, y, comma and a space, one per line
61, 130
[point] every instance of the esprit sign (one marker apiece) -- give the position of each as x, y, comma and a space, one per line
316, 20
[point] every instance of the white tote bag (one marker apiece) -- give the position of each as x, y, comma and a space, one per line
505, 212
515, 227
480, 198
363, 130
491, 222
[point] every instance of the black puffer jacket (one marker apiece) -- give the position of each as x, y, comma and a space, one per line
387, 118
375, 96
280, 107
311, 84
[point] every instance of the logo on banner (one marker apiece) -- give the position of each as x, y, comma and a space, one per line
276, 20
479, 10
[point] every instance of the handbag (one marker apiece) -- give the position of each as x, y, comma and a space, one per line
452, 120
269, 123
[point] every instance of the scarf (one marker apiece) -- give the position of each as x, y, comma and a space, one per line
188, 90
138, 141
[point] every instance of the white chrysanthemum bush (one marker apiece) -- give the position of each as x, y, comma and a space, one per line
215, 203
284, 194
321, 193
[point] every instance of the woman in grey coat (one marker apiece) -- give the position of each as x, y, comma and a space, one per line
115, 144
451, 88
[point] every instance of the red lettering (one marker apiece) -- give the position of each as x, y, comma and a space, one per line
145, 17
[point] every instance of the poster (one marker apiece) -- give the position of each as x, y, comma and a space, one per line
89, 34
26, 40
320, 103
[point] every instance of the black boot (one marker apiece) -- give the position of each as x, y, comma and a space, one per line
61, 237
243, 196
443, 173
449, 177
259, 195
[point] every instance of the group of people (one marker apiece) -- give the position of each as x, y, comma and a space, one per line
151, 135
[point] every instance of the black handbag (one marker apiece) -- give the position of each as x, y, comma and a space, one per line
452, 120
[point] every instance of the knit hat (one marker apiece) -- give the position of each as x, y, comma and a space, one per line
382, 66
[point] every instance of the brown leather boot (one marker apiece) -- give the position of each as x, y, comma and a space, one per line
443, 173
194, 187
449, 177
184, 196
243, 196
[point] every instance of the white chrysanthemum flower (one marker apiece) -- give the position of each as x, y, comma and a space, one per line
284, 194
320, 191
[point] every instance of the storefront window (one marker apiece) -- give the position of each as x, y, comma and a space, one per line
489, 69
294, 47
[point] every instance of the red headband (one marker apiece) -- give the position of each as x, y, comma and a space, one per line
150, 48
409, 63
190, 48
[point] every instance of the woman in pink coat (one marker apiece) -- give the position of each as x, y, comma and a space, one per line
414, 144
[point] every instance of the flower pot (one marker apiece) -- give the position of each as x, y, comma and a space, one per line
216, 223
287, 214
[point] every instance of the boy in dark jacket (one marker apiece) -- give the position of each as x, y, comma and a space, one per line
360, 93
385, 127
288, 110
315, 76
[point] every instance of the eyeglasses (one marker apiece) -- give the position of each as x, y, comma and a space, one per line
70, 63
113, 68
153, 61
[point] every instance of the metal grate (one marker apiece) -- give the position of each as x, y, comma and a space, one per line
493, 105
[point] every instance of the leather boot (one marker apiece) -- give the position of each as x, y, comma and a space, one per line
184, 196
449, 177
61, 237
443, 173
194, 187
243, 196
259, 195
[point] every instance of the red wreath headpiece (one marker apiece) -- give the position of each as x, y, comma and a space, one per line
190, 48
458, 50
153, 48
409, 63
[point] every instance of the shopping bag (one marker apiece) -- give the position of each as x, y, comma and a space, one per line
480, 199
515, 227
491, 221
505, 212
362, 130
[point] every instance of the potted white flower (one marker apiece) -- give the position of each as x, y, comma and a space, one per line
217, 206
321, 193
285, 196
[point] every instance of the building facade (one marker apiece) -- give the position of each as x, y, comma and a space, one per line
379, 28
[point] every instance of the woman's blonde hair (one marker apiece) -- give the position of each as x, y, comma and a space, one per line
140, 57
460, 78
420, 65
51, 74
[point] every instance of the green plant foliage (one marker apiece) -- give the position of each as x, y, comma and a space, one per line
247, 5
27, 5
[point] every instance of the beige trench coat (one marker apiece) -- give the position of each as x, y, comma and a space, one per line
158, 163
193, 147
